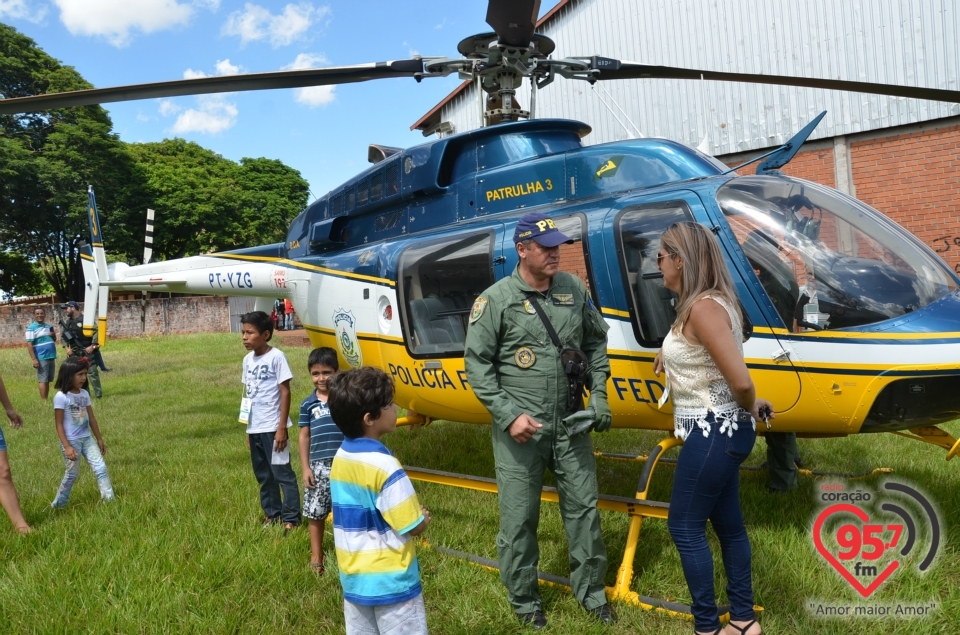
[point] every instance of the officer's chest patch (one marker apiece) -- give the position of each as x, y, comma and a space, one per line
528, 307
478, 308
525, 357
562, 299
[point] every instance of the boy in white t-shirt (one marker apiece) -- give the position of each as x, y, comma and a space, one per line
266, 379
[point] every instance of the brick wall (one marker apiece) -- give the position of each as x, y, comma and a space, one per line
911, 177
167, 316
915, 180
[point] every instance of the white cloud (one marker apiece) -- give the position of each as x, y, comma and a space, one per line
168, 108
412, 51
314, 95
115, 19
212, 5
257, 23
214, 114
224, 67
21, 10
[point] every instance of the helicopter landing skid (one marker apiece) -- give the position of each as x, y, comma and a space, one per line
637, 508
934, 436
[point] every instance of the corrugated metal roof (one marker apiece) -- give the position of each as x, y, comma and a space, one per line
908, 42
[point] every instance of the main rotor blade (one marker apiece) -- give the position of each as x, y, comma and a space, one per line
630, 70
220, 84
513, 20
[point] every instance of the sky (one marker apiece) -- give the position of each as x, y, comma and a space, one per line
323, 131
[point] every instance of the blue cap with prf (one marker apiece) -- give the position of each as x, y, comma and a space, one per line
71, 303
538, 227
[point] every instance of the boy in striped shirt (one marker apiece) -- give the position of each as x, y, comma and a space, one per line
320, 439
375, 511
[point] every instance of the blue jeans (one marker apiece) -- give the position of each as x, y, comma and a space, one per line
87, 448
274, 480
706, 485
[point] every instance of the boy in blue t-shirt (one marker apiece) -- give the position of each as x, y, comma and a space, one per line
321, 435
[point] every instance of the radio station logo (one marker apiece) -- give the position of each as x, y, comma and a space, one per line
868, 537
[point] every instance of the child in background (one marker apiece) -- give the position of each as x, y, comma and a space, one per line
8, 493
375, 511
75, 420
266, 377
320, 438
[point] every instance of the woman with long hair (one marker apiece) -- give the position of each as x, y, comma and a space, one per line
715, 412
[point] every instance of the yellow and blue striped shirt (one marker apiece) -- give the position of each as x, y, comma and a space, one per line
374, 509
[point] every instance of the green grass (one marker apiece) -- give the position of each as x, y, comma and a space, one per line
181, 550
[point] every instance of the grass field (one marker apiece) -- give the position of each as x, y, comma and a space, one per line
182, 550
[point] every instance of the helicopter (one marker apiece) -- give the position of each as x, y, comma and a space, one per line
854, 323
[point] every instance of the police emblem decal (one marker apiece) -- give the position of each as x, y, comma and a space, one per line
529, 307
525, 357
478, 308
345, 326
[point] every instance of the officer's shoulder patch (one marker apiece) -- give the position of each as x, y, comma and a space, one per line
479, 306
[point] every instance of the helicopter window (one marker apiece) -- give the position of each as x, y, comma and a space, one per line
439, 282
574, 257
825, 260
350, 199
639, 231
391, 184
510, 148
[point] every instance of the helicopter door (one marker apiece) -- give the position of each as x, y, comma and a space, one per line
637, 231
438, 281
765, 275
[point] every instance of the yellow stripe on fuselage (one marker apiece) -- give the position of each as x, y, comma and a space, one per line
300, 265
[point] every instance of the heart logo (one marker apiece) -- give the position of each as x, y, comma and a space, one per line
834, 560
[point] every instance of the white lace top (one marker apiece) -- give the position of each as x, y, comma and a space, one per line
696, 385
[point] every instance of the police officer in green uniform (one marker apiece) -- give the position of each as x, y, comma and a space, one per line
79, 345
515, 370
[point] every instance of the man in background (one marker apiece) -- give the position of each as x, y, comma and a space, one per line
42, 346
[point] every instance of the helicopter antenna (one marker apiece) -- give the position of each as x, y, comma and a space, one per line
625, 115
704, 146
630, 134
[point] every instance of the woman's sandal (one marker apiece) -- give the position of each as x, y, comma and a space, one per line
743, 629
317, 567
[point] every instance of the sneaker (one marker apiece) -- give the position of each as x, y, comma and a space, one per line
536, 620
604, 613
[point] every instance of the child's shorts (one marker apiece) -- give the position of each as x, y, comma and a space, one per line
402, 618
316, 501
3, 442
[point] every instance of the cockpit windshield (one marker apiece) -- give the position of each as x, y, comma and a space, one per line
825, 260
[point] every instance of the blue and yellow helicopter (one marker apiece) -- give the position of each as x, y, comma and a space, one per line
855, 322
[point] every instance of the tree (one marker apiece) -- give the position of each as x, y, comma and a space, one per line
19, 276
206, 203
46, 162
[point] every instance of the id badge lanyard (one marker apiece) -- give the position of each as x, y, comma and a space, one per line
245, 405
